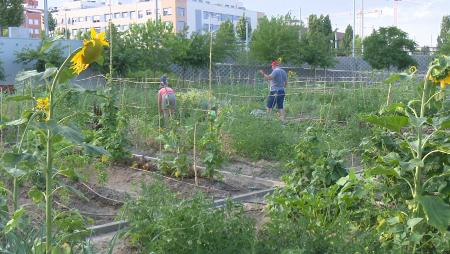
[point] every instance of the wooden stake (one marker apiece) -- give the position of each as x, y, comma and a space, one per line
195, 156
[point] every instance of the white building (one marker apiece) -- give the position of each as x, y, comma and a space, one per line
78, 16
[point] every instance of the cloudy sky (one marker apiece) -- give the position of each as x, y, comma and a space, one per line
419, 18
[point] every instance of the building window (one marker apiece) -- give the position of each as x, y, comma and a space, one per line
133, 15
96, 19
125, 15
140, 14
30, 22
117, 15
167, 11
206, 27
206, 15
36, 31
148, 12
180, 11
180, 26
107, 17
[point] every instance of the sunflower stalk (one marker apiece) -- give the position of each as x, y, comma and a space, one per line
81, 58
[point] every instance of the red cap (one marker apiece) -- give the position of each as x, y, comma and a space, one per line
275, 63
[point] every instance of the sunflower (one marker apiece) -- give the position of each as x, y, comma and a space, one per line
440, 71
42, 104
92, 51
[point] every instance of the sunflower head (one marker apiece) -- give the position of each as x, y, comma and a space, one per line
439, 71
92, 51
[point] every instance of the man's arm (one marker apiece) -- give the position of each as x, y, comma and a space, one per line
266, 77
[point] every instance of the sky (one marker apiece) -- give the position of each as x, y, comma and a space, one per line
421, 19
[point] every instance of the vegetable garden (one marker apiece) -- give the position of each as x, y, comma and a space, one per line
357, 168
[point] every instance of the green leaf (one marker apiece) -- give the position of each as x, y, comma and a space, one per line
69, 133
417, 121
436, 211
393, 220
380, 170
36, 195
342, 181
19, 98
97, 150
445, 188
15, 172
24, 75
412, 164
445, 124
413, 222
393, 78
100, 60
14, 221
393, 123
65, 75
17, 122
48, 73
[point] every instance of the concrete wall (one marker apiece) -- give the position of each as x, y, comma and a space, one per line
10, 46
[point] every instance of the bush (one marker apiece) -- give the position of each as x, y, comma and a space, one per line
162, 223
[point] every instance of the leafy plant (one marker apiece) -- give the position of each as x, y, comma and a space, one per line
162, 223
413, 160
46, 55
52, 133
211, 146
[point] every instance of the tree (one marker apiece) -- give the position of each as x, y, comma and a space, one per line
445, 30
241, 28
46, 54
347, 41
11, 14
225, 44
388, 47
273, 39
147, 46
51, 22
445, 48
315, 47
443, 40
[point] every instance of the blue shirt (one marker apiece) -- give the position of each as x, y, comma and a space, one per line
279, 79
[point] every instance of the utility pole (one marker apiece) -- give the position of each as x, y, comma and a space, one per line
156, 11
362, 19
46, 18
246, 32
354, 27
396, 12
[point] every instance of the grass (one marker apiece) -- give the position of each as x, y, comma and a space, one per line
333, 108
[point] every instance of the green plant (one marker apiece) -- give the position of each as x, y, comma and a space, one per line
412, 159
211, 146
177, 142
54, 137
46, 55
162, 223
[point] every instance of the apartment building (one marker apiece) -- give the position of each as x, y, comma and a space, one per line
32, 18
198, 15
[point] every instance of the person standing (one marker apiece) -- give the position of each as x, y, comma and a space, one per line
166, 99
278, 82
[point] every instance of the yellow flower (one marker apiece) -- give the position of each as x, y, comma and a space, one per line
177, 173
104, 159
412, 69
444, 82
92, 51
42, 104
